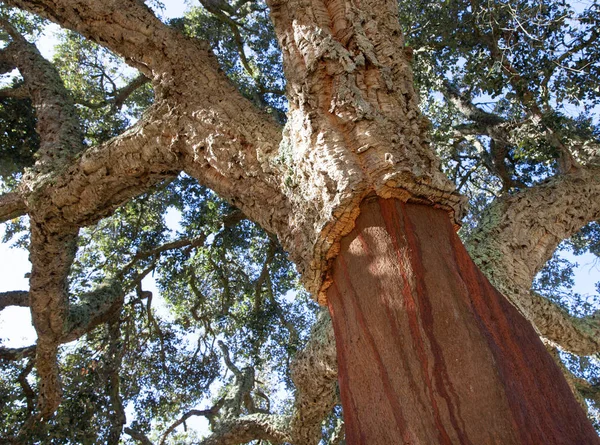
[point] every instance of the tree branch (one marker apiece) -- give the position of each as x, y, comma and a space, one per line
120, 96
137, 435
577, 335
244, 429
14, 298
26, 387
12, 205
17, 353
114, 359
566, 160
468, 109
17, 92
100, 306
314, 373
57, 121
518, 234
209, 413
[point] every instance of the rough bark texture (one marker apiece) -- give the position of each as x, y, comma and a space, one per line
12, 205
519, 233
314, 372
354, 125
354, 128
424, 339
14, 298
248, 428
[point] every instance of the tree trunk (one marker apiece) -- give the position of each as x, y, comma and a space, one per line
428, 351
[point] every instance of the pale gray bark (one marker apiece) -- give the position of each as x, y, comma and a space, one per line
354, 128
519, 233
354, 125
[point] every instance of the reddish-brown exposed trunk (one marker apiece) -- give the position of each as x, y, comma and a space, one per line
428, 351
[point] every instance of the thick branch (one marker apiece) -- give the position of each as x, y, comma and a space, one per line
519, 233
314, 372
51, 255
17, 93
579, 336
99, 306
247, 428
14, 298
12, 205
57, 122
17, 353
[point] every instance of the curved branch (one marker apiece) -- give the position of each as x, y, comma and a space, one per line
26, 387
120, 97
57, 122
517, 235
137, 435
102, 305
208, 413
314, 372
577, 335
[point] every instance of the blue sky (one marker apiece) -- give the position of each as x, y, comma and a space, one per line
15, 324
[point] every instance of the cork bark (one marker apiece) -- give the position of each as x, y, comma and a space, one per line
519, 233
354, 130
354, 125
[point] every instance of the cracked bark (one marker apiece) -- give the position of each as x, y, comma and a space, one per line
247, 428
354, 129
519, 233
354, 125
314, 373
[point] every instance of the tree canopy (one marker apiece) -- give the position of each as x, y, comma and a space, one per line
229, 334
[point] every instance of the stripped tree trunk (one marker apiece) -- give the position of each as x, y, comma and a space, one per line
428, 351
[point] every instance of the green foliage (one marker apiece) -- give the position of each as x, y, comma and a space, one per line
95, 77
528, 65
229, 280
19, 140
247, 50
